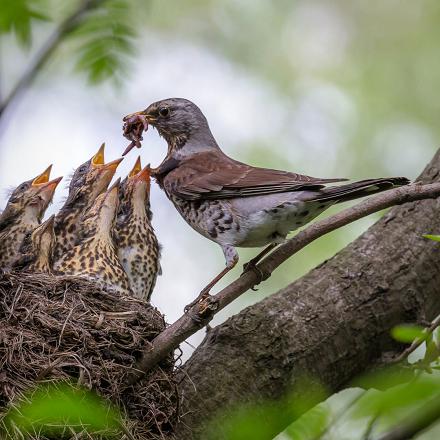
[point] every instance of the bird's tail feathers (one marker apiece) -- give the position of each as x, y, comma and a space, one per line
363, 188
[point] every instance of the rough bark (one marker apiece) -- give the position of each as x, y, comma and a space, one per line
332, 324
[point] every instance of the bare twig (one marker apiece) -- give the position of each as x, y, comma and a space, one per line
61, 32
418, 341
201, 313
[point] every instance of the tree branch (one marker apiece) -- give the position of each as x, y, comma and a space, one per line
62, 31
201, 313
331, 325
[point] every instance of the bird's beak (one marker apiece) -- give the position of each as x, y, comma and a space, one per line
137, 168
47, 189
143, 113
144, 174
98, 158
43, 177
111, 165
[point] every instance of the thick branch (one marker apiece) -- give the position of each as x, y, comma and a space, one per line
332, 324
63, 30
187, 325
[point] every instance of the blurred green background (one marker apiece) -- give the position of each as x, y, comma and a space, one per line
325, 88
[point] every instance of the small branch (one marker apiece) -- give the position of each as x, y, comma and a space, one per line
418, 342
69, 24
200, 314
420, 420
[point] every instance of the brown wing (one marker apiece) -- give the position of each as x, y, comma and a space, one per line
212, 175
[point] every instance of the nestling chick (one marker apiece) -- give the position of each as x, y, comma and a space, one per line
95, 257
36, 251
136, 242
89, 180
23, 213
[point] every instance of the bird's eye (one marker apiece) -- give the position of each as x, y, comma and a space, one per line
82, 169
164, 112
23, 187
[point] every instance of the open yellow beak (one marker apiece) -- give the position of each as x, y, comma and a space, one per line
43, 177
111, 165
48, 188
98, 158
137, 168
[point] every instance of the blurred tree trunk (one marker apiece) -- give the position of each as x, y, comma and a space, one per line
332, 324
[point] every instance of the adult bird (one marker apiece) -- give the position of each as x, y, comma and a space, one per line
227, 201
23, 213
94, 257
89, 180
36, 250
136, 242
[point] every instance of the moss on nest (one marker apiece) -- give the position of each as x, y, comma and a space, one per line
66, 329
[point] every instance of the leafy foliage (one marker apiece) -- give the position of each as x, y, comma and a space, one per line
106, 41
17, 17
101, 29
407, 333
54, 409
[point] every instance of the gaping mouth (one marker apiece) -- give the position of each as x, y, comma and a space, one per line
133, 127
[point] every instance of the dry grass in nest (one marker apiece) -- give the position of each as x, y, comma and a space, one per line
65, 329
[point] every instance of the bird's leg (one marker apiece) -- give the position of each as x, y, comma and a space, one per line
231, 256
252, 264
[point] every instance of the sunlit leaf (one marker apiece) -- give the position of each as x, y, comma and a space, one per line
432, 237
407, 332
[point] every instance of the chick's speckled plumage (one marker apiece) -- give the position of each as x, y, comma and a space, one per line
89, 180
138, 248
23, 213
36, 250
95, 256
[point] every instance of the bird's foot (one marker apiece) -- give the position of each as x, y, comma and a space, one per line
207, 305
251, 266
202, 296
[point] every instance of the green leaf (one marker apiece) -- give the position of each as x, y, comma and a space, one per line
397, 398
432, 237
310, 425
407, 333
51, 409
105, 41
17, 16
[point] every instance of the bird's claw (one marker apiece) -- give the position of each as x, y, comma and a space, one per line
202, 296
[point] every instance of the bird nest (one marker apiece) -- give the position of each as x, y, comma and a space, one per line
59, 329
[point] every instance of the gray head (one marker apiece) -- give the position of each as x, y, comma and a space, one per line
181, 123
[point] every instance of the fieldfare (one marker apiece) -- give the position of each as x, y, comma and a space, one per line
36, 250
229, 202
23, 213
136, 242
95, 257
88, 181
